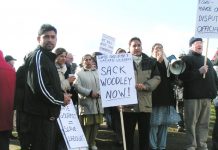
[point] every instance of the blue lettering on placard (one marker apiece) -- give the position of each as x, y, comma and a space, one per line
204, 2
117, 94
112, 70
67, 115
116, 81
69, 128
75, 138
207, 18
207, 29
204, 8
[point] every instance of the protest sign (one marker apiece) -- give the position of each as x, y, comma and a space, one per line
207, 19
71, 129
117, 79
107, 44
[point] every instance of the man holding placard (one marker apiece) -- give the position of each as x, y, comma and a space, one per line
43, 94
147, 79
198, 93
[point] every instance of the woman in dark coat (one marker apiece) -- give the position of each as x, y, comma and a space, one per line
162, 99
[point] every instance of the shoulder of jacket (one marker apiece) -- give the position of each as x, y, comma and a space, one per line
187, 57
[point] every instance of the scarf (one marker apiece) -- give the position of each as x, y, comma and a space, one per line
137, 59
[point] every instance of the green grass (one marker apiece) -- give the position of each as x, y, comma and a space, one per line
15, 146
212, 115
212, 119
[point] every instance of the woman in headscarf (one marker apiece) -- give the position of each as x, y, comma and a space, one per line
90, 105
162, 99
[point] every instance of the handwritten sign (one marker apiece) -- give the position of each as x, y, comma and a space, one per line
207, 19
107, 44
117, 80
71, 128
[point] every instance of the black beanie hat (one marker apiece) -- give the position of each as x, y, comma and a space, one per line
9, 58
193, 39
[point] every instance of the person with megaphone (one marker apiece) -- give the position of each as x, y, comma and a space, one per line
163, 101
177, 66
198, 93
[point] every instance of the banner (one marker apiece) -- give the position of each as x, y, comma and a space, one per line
207, 19
71, 129
107, 44
117, 79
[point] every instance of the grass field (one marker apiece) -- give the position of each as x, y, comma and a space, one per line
105, 140
212, 119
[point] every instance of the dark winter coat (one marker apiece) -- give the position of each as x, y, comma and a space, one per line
43, 94
163, 95
195, 86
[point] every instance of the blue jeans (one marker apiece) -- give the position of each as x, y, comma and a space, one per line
158, 137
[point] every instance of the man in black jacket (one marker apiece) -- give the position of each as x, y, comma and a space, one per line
43, 95
198, 93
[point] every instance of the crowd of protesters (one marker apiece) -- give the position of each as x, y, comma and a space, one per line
46, 81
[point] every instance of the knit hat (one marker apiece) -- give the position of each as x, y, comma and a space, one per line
193, 39
9, 58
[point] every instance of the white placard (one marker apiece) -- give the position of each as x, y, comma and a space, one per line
107, 44
71, 129
207, 19
117, 79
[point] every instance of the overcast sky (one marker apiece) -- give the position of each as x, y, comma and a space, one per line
80, 24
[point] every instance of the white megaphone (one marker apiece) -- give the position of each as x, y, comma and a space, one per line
176, 66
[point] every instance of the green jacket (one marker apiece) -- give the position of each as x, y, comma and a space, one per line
145, 72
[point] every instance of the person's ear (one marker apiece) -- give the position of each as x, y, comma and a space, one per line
38, 38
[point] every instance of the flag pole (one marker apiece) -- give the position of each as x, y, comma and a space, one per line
205, 58
122, 127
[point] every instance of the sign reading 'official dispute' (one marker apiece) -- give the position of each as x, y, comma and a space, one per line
207, 19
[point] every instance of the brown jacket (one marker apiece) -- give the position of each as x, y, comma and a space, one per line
145, 72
